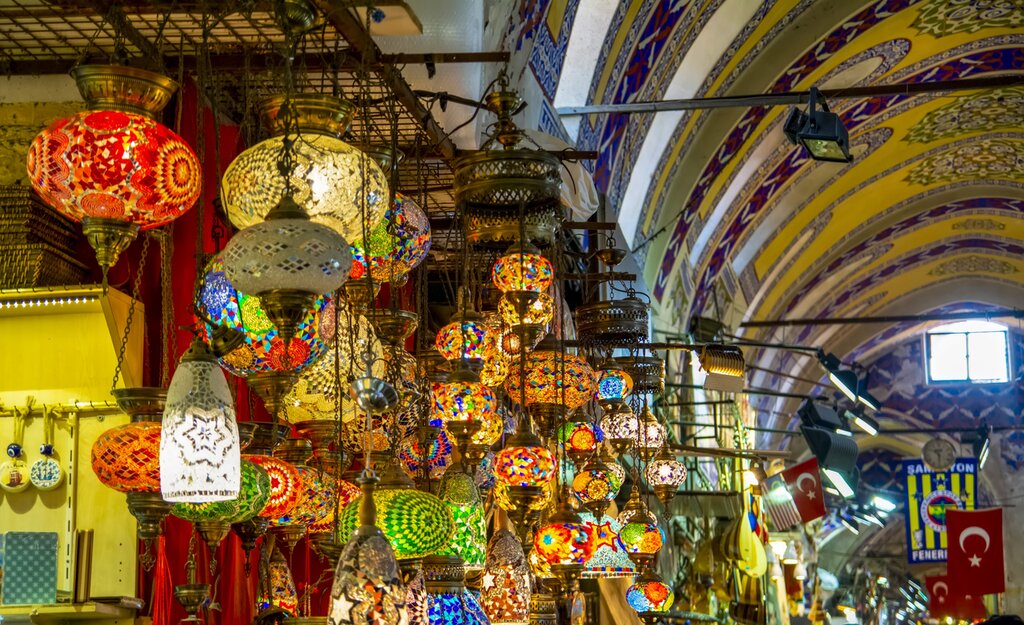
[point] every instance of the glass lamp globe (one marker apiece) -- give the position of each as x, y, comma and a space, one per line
281, 585
337, 185
448, 601
396, 245
469, 542
665, 473
463, 399
437, 458
263, 349
641, 537
522, 269
317, 500
126, 458
650, 594
524, 462
652, 434
285, 484
580, 439
563, 540
497, 362
253, 496
505, 584
613, 385
538, 311
199, 444
552, 384
595, 485
606, 558
464, 338
114, 167
621, 427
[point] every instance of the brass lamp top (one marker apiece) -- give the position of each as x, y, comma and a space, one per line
315, 114
123, 88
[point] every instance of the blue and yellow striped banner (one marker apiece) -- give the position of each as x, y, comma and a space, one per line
928, 495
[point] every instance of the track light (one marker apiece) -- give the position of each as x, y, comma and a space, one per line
863, 421
882, 504
819, 130
843, 379
725, 367
850, 524
790, 556
868, 400
840, 481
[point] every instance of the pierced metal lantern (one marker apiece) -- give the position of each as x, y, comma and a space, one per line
647, 372
614, 322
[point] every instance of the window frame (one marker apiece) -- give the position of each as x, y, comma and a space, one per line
967, 356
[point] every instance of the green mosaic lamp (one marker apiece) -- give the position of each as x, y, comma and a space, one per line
469, 542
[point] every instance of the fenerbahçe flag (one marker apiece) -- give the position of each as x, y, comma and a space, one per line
928, 496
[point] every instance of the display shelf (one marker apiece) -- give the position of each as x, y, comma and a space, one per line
61, 613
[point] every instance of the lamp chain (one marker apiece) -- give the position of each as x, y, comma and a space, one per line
136, 285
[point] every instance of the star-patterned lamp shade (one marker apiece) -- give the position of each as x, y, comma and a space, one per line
539, 312
448, 601
199, 445
641, 535
285, 485
505, 585
317, 500
469, 542
252, 498
606, 559
416, 599
462, 338
416, 523
437, 459
337, 185
522, 270
367, 587
126, 458
114, 164
595, 485
650, 594
665, 472
463, 400
396, 245
263, 348
652, 433
613, 384
552, 377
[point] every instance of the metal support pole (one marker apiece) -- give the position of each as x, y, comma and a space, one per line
834, 321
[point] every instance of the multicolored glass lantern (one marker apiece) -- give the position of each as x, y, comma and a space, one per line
337, 185
524, 462
497, 361
264, 348
641, 538
595, 485
253, 495
554, 382
367, 587
436, 459
607, 559
613, 385
463, 400
114, 167
536, 310
463, 338
505, 585
580, 440
285, 485
563, 540
621, 427
396, 245
448, 601
126, 458
650, 594
199, 445
416, 523
522, 268
613, 465
665, 473
318, 488
652, 435
459, 492
281, 585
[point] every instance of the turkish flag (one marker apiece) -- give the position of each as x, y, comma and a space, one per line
945, 600
974, 555
804, 482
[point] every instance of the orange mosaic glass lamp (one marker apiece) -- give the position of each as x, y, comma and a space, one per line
127, 458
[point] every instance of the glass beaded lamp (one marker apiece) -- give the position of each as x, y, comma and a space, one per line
463, 399
580, 440
114, 168
396, 245
337, 185
641, 537
595, 485
437, 458
555, 383
415, 522
497, 362
281, 584
621, 428
317, 500
505, 584
665, 473
606, 559
199, 445
650, 594
524, 462
448, 601
526, 311
458, 491
613, 385
367, 587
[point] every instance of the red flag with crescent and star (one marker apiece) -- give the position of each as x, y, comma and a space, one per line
944, 599
974, 554
804, 482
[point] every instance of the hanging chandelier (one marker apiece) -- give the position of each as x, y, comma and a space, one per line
552, 384
114, 168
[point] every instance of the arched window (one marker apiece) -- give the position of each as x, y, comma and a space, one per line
968, 351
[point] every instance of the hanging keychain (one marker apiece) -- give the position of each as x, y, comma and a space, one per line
46, 473
14, 472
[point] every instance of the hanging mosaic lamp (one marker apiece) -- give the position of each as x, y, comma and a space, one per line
416, 597
395, 246
641, 538
522, 268
621, 428
114, 167
285, 484
563, 541
462, 404
524, 467
415, 522
665, 474
318, 495
614, 384
650, 594
199, 446
367, 587
505, 584
651, 437
606, 559
435, 456
580, 440
463, 338
448, 601
337, 185
497, 361
458, 491
555, 383
633, 504
613, 465
126, 458
596, 485
281, 585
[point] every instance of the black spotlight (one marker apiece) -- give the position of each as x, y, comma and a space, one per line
820, 131
979, 440
843, 379
837, 456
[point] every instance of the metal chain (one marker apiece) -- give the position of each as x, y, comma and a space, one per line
136, 285
167, 333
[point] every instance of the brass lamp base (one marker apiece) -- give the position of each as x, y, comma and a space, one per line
290, 534
192, 597
665, 494
272, 386
373, 394
287, 308
149, 510
360, 293
394, 326
109, 238
212, 533
547, 416
621, 445
249, 532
